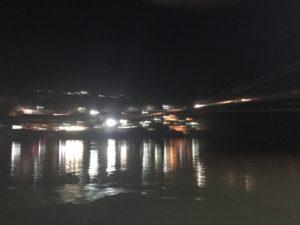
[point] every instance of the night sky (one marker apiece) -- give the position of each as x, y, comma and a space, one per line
169, 49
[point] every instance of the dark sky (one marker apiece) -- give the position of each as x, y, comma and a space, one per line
156, 48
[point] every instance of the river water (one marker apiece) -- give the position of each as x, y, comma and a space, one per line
213, 186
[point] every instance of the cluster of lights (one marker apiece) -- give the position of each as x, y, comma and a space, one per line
72, 128
145, 123
78, 93
166, 107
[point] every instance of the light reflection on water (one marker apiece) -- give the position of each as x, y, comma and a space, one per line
81, 171
70, 157
111, 156
15, 158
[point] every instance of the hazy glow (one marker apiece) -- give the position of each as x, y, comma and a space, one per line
94, 112
111, 122
249, 183
70, 155
123, 122
111, 156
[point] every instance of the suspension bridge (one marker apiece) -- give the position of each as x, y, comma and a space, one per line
278, 90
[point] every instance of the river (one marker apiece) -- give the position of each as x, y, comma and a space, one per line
145, 181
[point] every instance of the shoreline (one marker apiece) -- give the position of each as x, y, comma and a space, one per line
29, 134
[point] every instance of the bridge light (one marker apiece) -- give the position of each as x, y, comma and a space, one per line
198, 106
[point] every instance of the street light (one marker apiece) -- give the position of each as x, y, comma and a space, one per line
111, 122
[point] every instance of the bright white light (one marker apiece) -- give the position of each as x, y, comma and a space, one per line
197, 106
246, 99
17, 127
72, 128
111, 122
94, 112
145, 112
28, 111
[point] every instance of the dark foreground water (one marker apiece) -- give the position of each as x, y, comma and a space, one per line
163, 181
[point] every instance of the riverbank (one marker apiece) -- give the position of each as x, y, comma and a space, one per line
94, 134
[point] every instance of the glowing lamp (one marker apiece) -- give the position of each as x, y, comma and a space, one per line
111, 122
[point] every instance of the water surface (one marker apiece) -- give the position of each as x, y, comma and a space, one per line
43, 173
